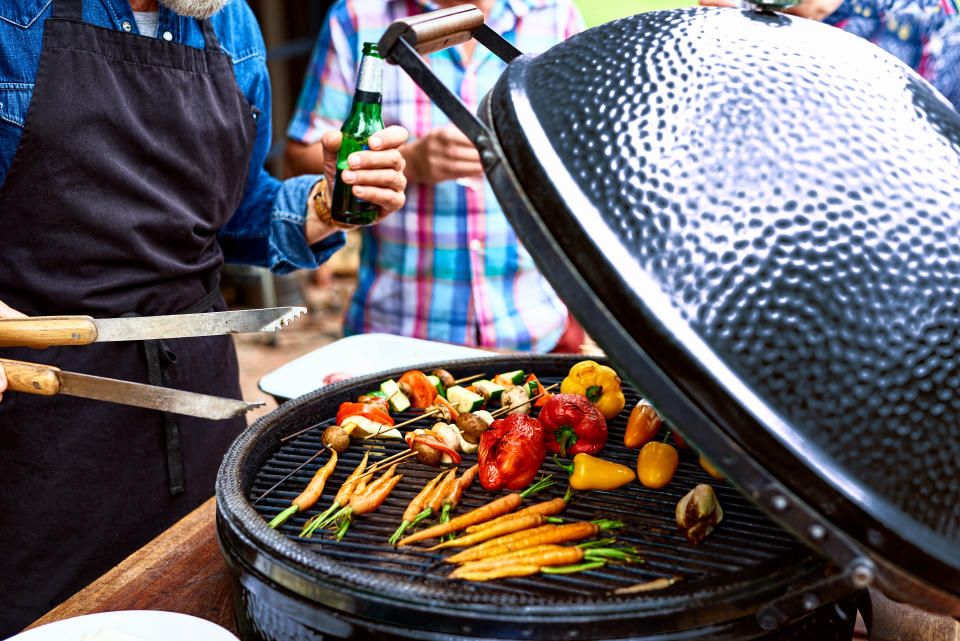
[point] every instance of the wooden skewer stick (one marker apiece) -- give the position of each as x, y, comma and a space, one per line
387, 428
306, 429
468, 378
504, 410
297, 469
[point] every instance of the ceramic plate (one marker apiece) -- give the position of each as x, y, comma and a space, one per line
142, 625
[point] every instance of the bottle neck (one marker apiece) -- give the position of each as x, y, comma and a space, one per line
369, 80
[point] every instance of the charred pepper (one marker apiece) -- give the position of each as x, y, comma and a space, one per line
511, 452
599, 383
572, 424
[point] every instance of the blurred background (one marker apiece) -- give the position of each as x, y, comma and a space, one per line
290, 29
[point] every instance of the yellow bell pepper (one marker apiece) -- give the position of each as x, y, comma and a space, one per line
592, 473
599, 383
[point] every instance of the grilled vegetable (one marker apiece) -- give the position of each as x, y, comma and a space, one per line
483, 513
452, 497
507, 379
508, 526
657, 463
336, 439
516, 400
310, 495
445, 377
372, 412
592, 473
698, 513
463, 400
572, 424
543, 557
472, 426
529, 538
421, 390
414, 508
511, 452
546, 508
445, 411
642, 425
489, 390
422, 441
534, 387
367, 500
710, 469
397, 399
599, 383
343, 496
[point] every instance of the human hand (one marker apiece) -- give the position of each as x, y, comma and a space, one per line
377, 176
443, 154
6, 312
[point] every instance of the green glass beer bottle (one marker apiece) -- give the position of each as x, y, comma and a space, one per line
364, 121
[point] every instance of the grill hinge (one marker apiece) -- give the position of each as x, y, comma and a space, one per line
827, 590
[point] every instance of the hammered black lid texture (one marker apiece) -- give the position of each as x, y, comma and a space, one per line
770, 208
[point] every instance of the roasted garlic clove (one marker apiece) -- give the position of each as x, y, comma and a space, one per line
698, 513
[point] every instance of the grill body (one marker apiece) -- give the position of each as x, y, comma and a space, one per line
360, 588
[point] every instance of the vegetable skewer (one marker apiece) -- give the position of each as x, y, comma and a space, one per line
310, 495
504, 410
414, 508
343, 495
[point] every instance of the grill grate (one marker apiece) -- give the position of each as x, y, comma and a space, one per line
746, 542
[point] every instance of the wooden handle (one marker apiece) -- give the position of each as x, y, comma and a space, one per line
44, 331
435, 30
31, 378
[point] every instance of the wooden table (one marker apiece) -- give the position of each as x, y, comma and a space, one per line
182, 570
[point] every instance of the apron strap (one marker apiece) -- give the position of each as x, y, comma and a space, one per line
68, 9
159, 357
209, 37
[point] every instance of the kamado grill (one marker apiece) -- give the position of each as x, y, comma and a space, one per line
756, 217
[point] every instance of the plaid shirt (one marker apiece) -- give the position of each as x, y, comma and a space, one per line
924, 34
448, 266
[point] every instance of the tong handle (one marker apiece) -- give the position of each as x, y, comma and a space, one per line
435, 30
31, 378
44, 331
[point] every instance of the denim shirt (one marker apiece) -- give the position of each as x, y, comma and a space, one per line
267, 228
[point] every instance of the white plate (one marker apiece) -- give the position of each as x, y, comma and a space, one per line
145, 625
358, 355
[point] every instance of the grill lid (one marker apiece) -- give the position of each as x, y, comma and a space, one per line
756, 216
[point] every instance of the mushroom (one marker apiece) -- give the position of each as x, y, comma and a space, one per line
336, 438
517, 399
405, 388
471, 427
426, 454
446, 378
698, 513
442, 412
448, 435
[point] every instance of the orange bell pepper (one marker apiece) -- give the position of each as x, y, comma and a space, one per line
657, 463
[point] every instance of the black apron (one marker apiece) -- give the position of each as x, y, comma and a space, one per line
134, 153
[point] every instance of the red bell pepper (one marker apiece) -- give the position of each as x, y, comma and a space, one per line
511, 452
572, 424
422, 391
434, 442
363, 409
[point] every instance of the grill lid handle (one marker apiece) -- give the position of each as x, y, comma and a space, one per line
406, 40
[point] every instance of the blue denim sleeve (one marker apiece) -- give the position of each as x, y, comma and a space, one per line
268, 227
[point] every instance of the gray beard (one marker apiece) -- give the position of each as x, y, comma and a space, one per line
199, 9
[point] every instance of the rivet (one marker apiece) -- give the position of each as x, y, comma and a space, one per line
767, 621
810, 602
779, 502
488, 156
126, 26
167, 36
818, 532
861, 576
75, 336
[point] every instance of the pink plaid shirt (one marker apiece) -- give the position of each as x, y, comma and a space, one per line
448, 266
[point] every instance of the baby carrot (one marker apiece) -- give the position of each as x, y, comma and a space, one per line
529, 538
546, 508
486, 512
343, 494
414, 508
368, 500
504, 527
435, 502
310, 495
538, 557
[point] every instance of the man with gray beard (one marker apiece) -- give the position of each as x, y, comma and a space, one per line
132, 142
